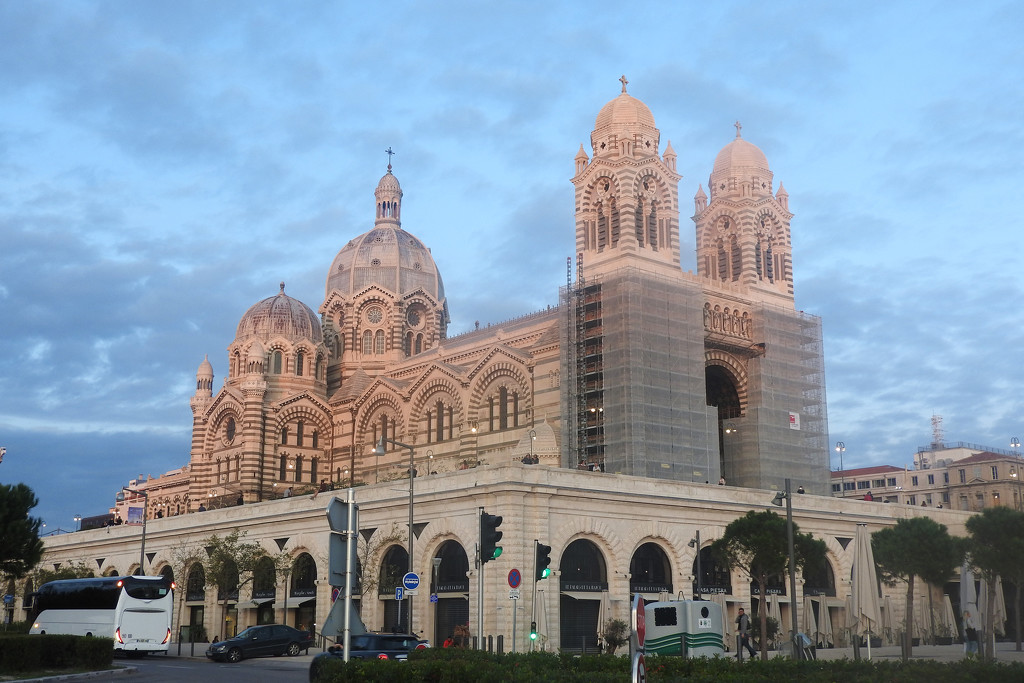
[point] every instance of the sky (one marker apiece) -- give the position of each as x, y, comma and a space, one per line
164, 165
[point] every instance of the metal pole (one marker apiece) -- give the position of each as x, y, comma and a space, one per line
480, 583
698, 564
797, 652
412, 477
533, 607
840, 449
350, 539
145, 514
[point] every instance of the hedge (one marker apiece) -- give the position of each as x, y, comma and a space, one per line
44, 652
469, 666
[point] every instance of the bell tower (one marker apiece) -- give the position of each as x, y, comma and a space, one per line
627, 197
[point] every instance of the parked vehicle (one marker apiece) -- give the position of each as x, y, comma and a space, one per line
133, 610
372, 646
260, 641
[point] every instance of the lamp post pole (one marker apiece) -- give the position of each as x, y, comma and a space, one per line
840, 449
695, 543
145, 510
379, 450
788, 496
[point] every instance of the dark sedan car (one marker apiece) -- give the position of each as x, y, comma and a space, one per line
259, 641
371, 646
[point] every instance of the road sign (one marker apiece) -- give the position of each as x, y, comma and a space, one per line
8, 599
638, 627
335, 592
514, 578
639, 668
411, 581
398, 592
513, 593
433, 597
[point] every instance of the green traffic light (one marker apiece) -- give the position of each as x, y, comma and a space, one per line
497, 552
546, 573
533, 635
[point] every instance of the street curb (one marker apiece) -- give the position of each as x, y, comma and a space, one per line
120, 671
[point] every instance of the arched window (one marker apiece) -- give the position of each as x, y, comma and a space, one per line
277, 362
299, 433
419, 343
319, 372
723, 262
737, 259
316, 439
408, 344
298, 468
649, 570
284, 435
284, 468
299, 362
378, 342
264, 580
313, 462
303, 577
195, 587
367, 342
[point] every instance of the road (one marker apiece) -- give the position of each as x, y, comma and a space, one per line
172, 669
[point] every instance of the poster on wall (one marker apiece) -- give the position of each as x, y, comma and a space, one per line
134, 515
794, 421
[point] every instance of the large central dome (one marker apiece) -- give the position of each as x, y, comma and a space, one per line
386, 256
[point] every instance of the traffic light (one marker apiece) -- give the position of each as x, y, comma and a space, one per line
543, 560
533, 630
489, 537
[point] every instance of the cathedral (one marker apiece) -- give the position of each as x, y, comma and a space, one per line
642, 369
602, 426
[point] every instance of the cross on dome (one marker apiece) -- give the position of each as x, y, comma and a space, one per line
738, 127
390, 154
624, 82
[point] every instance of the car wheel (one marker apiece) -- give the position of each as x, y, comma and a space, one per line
293, 649
234, 655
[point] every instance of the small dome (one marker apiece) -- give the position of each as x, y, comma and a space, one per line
625, 126
205, 369
740, 154
256, 351
280, 316
624, 110
386, 256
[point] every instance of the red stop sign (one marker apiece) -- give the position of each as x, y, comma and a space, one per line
639, 625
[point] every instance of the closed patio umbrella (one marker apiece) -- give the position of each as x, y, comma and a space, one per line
866, 616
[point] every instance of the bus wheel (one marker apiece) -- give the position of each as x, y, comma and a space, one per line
234, 655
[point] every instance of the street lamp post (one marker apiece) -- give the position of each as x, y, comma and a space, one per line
788, 496
840, 449
380, 450
145, 510
78, 522
695, 543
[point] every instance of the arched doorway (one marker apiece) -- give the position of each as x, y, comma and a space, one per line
650, 571
302, 592
723, 394
714, 577
195, 601
584, 587
451, 585
264, 590
392, 569
227, 598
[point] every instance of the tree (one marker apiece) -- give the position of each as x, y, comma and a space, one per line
71, 570
21, 548
231, 564
616, 633
756, 543
919, 546
996, 547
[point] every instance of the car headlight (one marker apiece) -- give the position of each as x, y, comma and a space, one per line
219, 648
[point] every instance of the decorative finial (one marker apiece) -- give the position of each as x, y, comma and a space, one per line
390, 154
282, 288
624, 82
738, 127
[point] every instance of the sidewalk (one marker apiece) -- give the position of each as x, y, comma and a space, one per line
1005, 652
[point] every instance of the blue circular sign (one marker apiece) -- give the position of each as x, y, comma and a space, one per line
411, 581
514, 578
